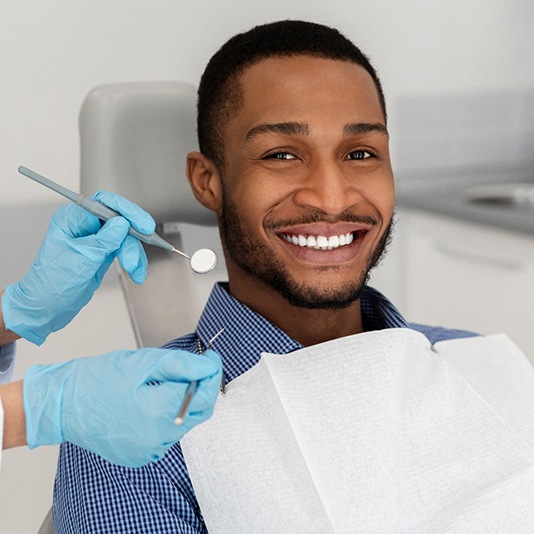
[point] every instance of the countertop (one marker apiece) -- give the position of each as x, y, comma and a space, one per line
444, 192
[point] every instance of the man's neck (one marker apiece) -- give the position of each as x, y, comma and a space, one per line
307, 326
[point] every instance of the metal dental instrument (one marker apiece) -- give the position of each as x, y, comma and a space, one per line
192, 388
202, 261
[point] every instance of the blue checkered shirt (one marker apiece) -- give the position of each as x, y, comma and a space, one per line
94, 496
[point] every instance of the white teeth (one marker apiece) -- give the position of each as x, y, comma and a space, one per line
333, 241
320, 242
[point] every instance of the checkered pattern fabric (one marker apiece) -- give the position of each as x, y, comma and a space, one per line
94, 496
7, 359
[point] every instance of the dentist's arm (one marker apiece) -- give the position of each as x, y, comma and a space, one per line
14, 424
103, 403
106, 405
74, 256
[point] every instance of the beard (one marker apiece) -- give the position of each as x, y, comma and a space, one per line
260, 263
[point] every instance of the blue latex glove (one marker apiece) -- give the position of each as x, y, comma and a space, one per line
104, 404
74, 256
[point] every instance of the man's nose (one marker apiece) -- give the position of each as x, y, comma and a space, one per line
327, 188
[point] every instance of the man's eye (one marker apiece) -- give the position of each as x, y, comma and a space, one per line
360, 154
280, 155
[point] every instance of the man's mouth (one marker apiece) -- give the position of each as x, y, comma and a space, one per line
321, 242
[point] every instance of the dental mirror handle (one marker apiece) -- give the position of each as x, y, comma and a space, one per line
202, 261
104, 213
97, 209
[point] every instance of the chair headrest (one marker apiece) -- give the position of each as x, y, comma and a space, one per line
134, 140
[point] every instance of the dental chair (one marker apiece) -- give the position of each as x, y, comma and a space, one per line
134, 138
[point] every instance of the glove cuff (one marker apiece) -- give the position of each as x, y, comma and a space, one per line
16, 315
42, 397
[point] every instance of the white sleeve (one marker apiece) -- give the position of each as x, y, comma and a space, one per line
7, 363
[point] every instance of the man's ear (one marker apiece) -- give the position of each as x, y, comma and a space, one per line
204, 180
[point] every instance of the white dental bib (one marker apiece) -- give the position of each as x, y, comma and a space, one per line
376, 433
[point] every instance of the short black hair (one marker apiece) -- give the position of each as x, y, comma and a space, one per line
219, 94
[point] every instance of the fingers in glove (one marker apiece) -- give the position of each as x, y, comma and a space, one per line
206, 394
133, 260
183, 366
167, 399
138, 217
75, 221
105, 242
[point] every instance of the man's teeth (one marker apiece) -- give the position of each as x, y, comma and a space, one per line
320, 242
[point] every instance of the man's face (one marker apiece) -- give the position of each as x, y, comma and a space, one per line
307, 185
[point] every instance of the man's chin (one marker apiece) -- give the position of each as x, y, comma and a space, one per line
312, 298
321, 303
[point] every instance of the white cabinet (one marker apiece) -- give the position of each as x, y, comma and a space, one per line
461, 275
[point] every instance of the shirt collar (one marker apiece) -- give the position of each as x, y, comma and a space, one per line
247, 334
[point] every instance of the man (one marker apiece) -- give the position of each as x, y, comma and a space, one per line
294, 160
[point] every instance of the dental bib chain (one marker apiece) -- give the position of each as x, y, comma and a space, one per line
201, 352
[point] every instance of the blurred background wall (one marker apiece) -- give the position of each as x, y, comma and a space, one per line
52, 53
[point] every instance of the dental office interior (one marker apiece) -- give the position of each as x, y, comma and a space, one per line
459, 85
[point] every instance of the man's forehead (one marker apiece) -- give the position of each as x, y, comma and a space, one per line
304, 76
290, 91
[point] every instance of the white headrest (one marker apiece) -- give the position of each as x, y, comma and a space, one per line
134, 141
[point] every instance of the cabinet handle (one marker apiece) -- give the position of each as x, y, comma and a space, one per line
472, 257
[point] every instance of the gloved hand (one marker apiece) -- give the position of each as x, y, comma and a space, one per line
74, 256
104, 404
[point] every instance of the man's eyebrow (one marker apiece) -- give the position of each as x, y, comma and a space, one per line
358, 128
283, 128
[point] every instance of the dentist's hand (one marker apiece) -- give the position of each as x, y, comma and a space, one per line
104, 404
74, 256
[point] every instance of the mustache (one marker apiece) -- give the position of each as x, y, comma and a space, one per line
319, 216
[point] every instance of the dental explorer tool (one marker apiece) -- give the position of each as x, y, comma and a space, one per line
193, 386
202, 261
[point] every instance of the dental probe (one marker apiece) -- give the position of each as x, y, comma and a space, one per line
202, 261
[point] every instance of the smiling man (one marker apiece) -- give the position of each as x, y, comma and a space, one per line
304, 191
294, 160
